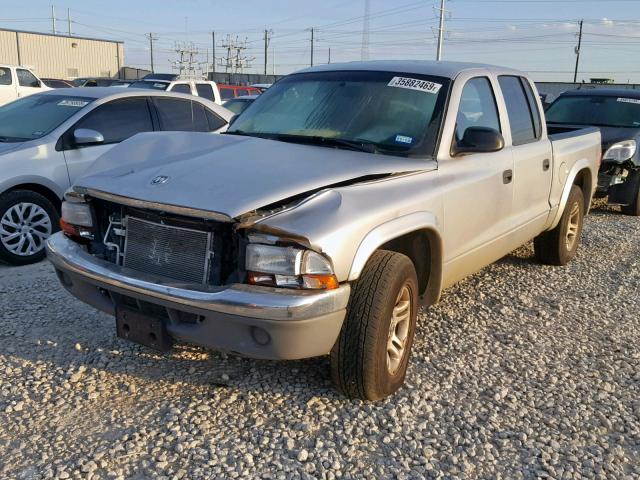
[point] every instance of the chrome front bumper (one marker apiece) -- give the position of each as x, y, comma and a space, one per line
298, 324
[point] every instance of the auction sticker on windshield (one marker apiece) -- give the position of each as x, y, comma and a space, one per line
630, 100
415, 84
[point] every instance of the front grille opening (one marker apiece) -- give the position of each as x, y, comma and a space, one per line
174, 252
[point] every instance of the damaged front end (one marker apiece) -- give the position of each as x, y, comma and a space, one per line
619, 175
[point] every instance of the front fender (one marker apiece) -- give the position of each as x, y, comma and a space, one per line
393, 229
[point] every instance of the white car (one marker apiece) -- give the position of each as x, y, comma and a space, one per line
48, 140
16, 82
200, 88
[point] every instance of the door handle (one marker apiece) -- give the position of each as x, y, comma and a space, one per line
507, 176
545, 164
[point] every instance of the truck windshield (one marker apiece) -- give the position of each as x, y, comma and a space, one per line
36, 115
598, 110
390, 113
150, 85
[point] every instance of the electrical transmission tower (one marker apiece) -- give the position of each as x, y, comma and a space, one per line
365, 31
235, 60
188, 66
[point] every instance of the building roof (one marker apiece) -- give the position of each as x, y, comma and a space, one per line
61, 35
419, 67
604, 92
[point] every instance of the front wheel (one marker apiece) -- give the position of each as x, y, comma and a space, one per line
559, 246
633, 208
370, 358
27, 219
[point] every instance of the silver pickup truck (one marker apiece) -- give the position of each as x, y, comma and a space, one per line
341, 200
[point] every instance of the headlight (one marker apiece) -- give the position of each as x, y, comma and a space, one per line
289, 267
621, 151
78, 214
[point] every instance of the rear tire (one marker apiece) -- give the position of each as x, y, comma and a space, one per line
559, 246
633, 208
370, 358
27, 219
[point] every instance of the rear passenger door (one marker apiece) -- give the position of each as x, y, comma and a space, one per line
8, 90
116, 121
531, 155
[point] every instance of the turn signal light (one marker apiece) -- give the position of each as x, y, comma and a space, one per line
306, 282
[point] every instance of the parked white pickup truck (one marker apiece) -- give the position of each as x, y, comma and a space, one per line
16, 82
340, 201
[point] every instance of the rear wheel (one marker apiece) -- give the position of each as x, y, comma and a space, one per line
559, 246
370, 358
27, 219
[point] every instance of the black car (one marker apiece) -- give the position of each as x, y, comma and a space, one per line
56, 83
98, 82
617, 113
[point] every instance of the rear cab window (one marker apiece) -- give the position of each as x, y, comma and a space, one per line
525, 123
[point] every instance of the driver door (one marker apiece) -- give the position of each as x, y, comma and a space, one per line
116, 120
478, 188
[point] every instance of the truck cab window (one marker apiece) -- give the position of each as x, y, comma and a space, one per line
182, 88
518, 109
205, 91
5, 76
27, 79
477, 107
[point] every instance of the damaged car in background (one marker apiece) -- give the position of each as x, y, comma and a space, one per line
338, 203
616, 112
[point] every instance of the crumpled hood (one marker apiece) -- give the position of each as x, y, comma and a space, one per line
229, 174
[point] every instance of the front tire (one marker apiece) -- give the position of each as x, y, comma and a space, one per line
370, 358
559, 246
27, 219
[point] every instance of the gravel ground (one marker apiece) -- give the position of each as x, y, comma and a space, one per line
522, 371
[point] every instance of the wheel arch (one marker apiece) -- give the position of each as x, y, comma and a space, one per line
50, 192
582, 176
415, 235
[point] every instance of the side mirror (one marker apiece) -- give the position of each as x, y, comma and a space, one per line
86, 137
478, 140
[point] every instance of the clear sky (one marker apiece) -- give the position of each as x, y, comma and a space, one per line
538, 36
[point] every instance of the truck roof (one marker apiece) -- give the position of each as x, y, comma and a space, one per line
419, 67
604, 92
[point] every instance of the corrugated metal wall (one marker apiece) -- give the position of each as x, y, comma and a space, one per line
61, 56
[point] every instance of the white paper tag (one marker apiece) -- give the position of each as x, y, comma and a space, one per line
415, 84
404, 139
160, 85
630, 100
73, 103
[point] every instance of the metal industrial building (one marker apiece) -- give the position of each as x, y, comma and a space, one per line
61, 56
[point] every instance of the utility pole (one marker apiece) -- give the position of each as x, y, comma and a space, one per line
69, 20
312, 46
213, 53
364, 54
266, 47
575, 72
329, 61
440, 31
53, 19
151, 39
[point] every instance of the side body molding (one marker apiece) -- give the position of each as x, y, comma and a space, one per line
418, 221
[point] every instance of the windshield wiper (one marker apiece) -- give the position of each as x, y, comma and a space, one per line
357, 145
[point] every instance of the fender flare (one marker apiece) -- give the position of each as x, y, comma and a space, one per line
582, 164
417, 221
